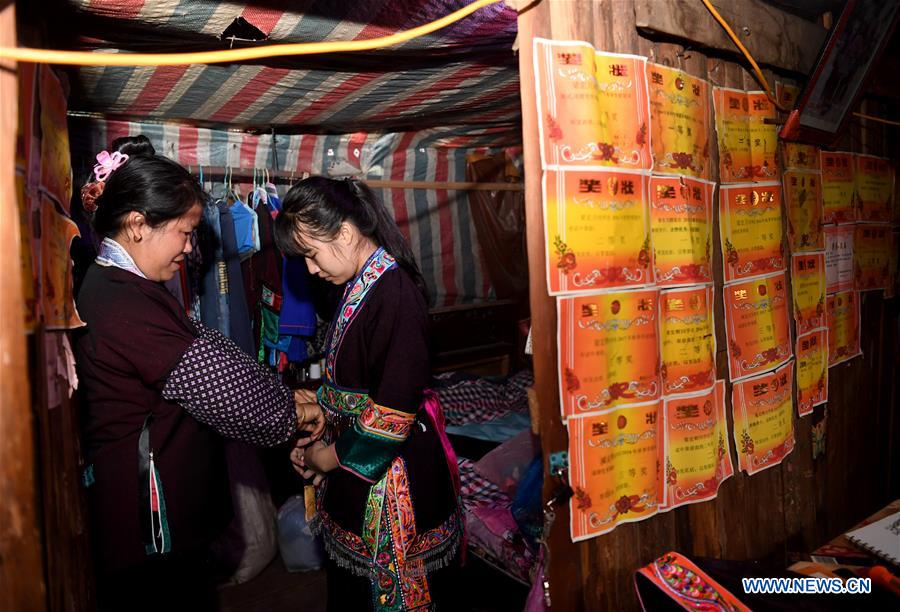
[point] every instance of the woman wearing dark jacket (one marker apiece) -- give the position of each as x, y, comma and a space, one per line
161, 390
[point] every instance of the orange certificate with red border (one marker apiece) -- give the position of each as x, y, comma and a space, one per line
688, 338
838, 258
593, 106
694, 447
838, 187
757, 326
598, 230
808, 287
679, 122
801, 156
750, 230
764, 419
874, 187
58, 298
803, 204
812, 370
681, 224
843, 327
613, 469
608, 350
872, 256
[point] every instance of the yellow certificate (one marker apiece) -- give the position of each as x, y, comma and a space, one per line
843, 327
801, 157
688, 338
681, 222
750, 230
872, 256
613, 469
838, 187
593, 106
808, 285
803, 203
757, 326
57, 285
733, 135
694, 448
598, 230
812, 370
764, 419
56, 155
679, 122
874, 187
608, 350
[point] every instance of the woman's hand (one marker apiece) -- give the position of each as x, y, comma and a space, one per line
320, 457
299, 463
304, 396
309, 418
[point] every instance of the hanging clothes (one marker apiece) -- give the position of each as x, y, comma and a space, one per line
298, 314
214, 310
246, 228
238, 313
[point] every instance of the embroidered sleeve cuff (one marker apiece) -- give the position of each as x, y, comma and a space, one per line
367, 448
220, 385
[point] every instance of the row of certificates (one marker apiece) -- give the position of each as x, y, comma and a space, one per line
629, 215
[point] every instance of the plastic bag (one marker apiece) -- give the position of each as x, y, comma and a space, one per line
300, 550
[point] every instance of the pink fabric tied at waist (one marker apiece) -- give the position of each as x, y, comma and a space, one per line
433, 407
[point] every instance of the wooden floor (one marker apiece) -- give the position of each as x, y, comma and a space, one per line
277, 590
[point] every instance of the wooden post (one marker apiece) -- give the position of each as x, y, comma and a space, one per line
21, 572
564, 568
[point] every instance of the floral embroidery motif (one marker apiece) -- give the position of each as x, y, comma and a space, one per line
378, 263
685, 583
386, 422
339, 400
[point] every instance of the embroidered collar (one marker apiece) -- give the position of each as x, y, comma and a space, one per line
355, 295
114, 254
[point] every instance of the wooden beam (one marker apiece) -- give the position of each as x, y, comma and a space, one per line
772, 36
21, 571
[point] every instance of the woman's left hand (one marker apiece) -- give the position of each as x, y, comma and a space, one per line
320, 457
299, 462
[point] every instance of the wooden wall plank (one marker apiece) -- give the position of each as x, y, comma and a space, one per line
21, 570
774, 37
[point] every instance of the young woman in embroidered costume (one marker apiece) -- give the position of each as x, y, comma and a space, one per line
387, 505
160, 391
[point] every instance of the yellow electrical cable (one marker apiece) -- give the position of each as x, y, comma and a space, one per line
743, 49
762, 77
90, 58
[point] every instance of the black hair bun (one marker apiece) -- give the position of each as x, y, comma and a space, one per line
134, 146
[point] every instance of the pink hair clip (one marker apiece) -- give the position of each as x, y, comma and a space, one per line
107, 162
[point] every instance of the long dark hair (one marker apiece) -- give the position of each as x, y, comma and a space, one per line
151, 184
321, 204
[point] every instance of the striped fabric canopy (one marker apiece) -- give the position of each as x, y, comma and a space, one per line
462, 79
408, 112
